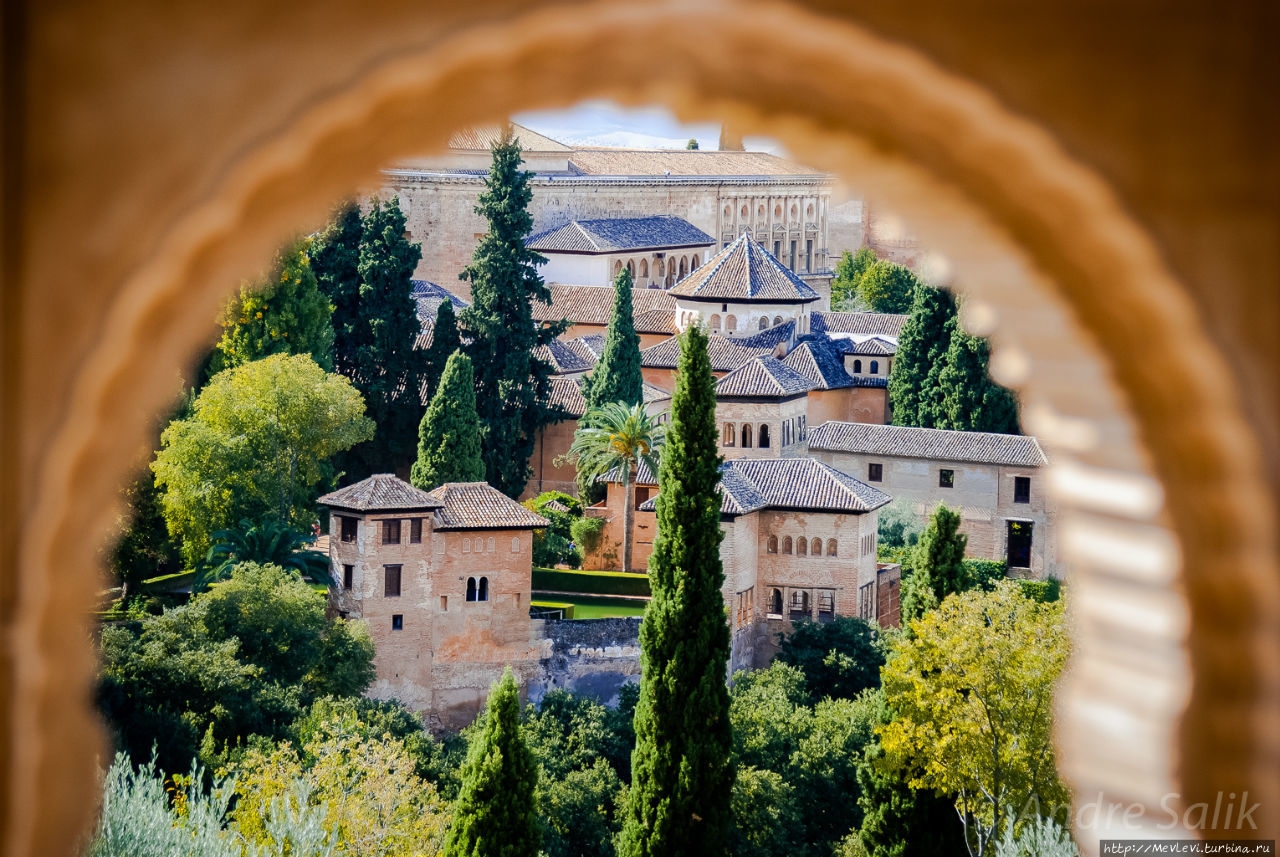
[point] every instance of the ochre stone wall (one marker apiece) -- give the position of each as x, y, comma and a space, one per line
849, 404
772, 413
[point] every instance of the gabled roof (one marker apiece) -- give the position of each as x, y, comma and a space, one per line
614, 234
752, 484
480, 506
569, 356
482, 137
819, 360
726, 353
1014, 450
868, 346
656, 321
428, 296
381, 492
566, 395
763, 377
594, 304
744, 271
860, 323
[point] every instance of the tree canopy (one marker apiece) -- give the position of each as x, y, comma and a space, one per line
937, 565
512, 384
970, 400
839, 659
258, 442
617, 377
449, 437
848, 273
888, 287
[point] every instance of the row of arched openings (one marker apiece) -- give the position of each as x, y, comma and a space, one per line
668, 272
732, 436
477, 589
874, 368
801, 546
730, 323
800, 603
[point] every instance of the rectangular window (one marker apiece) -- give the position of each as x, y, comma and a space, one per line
391, 581
397, 622
946, 478
444, 603
792, 266
348, 574
349, 526
1022, 489
808, 255
875, 472
391, 532
415, 531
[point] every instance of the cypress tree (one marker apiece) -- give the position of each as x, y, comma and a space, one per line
930, 411
494, 815
937, 564
335, 253
969, 399
449, 436
678, 803
444, 341
512, 385
617, 377
923, 342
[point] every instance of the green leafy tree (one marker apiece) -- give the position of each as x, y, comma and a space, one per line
512, 385
848, 273
617, 377
258, 441
922, 344
494, 815
449, 437
618, 437
692, 144
970, 400
552, 545
268, 542
839, 659
898, 526
972, 694
285, 314
682, 781
886, 287
444, 341
937, 565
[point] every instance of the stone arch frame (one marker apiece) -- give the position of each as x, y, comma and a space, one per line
762, 436
684, 267
644, 269
617, 268
731, 323
164, 303
694, 262
831, 547
802, 546
787, 547
771, 546
857, 366
777, 320
874, 368
764, 322
745, 434
714, 323
815, 547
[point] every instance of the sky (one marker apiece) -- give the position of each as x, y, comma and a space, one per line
603, 123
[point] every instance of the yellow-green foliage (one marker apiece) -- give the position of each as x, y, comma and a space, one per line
374, 803
972, 691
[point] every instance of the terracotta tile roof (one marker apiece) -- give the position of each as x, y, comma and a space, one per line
594, 304
867, 346
751, 484
483, 137
763, 377
860, 323
480, 506
428, 296
381, 492
744, 271
612, 234
566, 395
681, 162
819, 360
656, 321
1014, 450
726, 353
569, 356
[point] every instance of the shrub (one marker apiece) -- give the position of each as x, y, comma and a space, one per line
590, 582
899, 525
553, 545
1043, 591
984, 573
586, 534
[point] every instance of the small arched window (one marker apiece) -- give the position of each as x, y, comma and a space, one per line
617, 268
745, 212
631, 268
772, 546
715, 321
777, 320
515, 544
786, 544
816, 550
466, 545
857, 365
493, 545
764, 437
764, 323
471, 589
795, 212
695, 263
729, 434
484, 589
831, 547
775, 599
731, 324
777, 211
644, 269
760, 211
875, 367
746, 435
802, 546
728, 210
809, 211
684, 267
659, 268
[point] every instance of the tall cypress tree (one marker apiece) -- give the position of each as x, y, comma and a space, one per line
494, 815
937, 565
678, 803
617, 377
444, 341
335, 254
512, 385
449, 437
969, 399
923, 342
930, 412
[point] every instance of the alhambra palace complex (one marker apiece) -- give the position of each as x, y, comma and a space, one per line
742, 243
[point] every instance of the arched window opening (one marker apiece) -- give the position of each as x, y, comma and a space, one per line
795, 212
659, 268
471, 589
484, 589
466, 545
802, 546
684, 267
777, 211
831, 547
816, 550
730, 434
764, 324
775, 602
772, 546
746, 435
515, 544
764, 437
644, 269
745, 212
617, 268
786, 544
857, 365
800, 601
875, 367
715, 322
493, 545
760, 211
777, 320
695, 263
631, 268
731, 324
728, 210
826, 601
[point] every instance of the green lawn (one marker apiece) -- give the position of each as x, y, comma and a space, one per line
594, 607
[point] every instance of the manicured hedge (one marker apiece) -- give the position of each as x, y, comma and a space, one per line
983, 573
590, 582
1044, 591
553, 605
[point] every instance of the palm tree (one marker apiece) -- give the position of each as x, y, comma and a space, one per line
618, 436
270, 542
